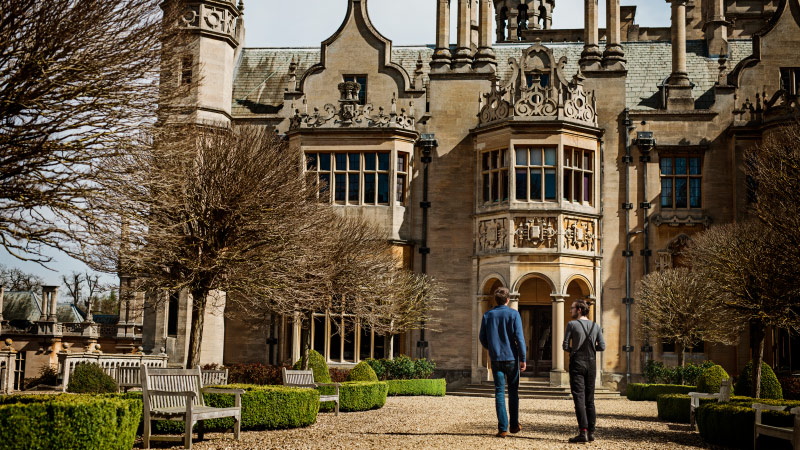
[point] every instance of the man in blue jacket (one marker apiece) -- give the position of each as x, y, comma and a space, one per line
501, 333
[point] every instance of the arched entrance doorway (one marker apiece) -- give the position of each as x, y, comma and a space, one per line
536, 309
487, 303
577, 289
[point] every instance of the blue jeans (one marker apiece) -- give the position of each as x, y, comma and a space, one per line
506, 372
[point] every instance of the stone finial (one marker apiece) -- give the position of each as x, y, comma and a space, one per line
9, 341
65, 347
139, 349
97, 348
349, 91
241, 7
163, 350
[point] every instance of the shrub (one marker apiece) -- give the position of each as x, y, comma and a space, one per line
770, 388
790, 387
378, 366
693, 372
338, 375
48, 376
434, 387
731, 424
359, 396
675, 407
316, 362
68, 421
423, 368
650, 392
656, 372
90, 379
362, 372
255, 373
400, 368
711, 380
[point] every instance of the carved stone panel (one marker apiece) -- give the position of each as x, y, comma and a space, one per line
579, 234
492, 235
535, 232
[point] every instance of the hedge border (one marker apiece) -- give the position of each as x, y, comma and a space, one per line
638, 392
731, 424
69, 421
675, 407
359, 396
436, 387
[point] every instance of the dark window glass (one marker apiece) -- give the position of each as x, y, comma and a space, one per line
401, 162
340, 187
349, 334
336, 340
366, 344
567, 184
666, 166
186, 69
694, 192
319, 334
587, 161
369, 161
536, 184
505, 185
362, 80
172, 313
341, 161
666, 192
401, 189
550, 157
486, 187
576, 187
694, 166
325, 186
324, 161
380, 347
495, 191
521, 178
311, 161
369, 188
353, 190
522, 156
486, 161
383, 161
550, 183
383, 188
681, 193
587, 187
536, 157
680, 166
355, 163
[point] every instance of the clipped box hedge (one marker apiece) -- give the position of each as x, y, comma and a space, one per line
434, 387
359, 396
731, 424
649, 392
675, 407
68, 421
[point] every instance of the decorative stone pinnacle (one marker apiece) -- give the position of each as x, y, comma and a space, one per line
349, 91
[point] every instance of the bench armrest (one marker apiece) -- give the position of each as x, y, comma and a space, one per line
223, 391
187, 394
761, 406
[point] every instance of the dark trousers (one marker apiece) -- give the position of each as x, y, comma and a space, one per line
582, 373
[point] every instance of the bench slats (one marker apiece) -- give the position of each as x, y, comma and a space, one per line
305, 378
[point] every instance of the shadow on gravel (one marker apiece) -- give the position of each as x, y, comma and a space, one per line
486, 435
600, 415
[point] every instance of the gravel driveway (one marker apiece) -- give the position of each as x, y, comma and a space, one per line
463, 422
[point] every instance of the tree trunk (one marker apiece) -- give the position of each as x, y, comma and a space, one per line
681, 360
759, 335
199, 299
305, 340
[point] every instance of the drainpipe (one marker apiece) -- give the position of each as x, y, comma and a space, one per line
627, 206
646, 142
428, 142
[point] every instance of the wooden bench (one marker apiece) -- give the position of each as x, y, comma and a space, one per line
215, 377
789, 434
305, 378
724, 395
177, 394
129, 377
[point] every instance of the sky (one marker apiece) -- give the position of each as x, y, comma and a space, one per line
281, 23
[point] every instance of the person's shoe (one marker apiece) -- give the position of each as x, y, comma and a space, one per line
501, 434
581, 438
516, 429
590, 436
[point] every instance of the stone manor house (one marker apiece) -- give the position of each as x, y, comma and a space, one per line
562, 164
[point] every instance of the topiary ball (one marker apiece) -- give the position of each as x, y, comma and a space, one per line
770, 387
711, 379
362, 372
316, 362
90, 379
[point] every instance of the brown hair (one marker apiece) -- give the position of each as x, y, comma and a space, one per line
501, 296
583, 307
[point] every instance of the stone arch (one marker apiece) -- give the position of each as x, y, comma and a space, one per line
578, 287
585, 284
515, 286
534, 288
491, 282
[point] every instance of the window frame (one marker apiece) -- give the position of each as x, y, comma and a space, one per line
315, 174
568, 186
362, 93
674, 177
793, 75
494, 176
356, 328
541, 169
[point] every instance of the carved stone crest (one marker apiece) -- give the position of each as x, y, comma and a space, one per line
492, 235
579, 234
535, 232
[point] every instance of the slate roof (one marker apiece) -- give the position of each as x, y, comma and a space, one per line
25, 306
262, 73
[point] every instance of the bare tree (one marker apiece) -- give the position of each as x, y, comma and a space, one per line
76, 78
683, 308
746, 266
14, 279
74, 285
214, 209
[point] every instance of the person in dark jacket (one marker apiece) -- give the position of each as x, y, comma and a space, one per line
501, 333
583, 339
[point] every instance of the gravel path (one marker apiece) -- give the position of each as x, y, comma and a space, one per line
463, 422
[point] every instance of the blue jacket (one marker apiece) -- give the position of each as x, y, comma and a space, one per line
501, 334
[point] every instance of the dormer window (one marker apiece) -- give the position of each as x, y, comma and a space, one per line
361, 80
790, 80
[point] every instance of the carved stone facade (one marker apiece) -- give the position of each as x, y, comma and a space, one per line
535, 232
352, 115
493, 235
579, 234
219, 17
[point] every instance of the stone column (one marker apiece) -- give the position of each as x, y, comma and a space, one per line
513, 300
49, 303
463, 56
2, 294
679, 90
614, 56
474, 36
441, 55
558, 376
716, 30
591, 57
512, 25
485, 59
